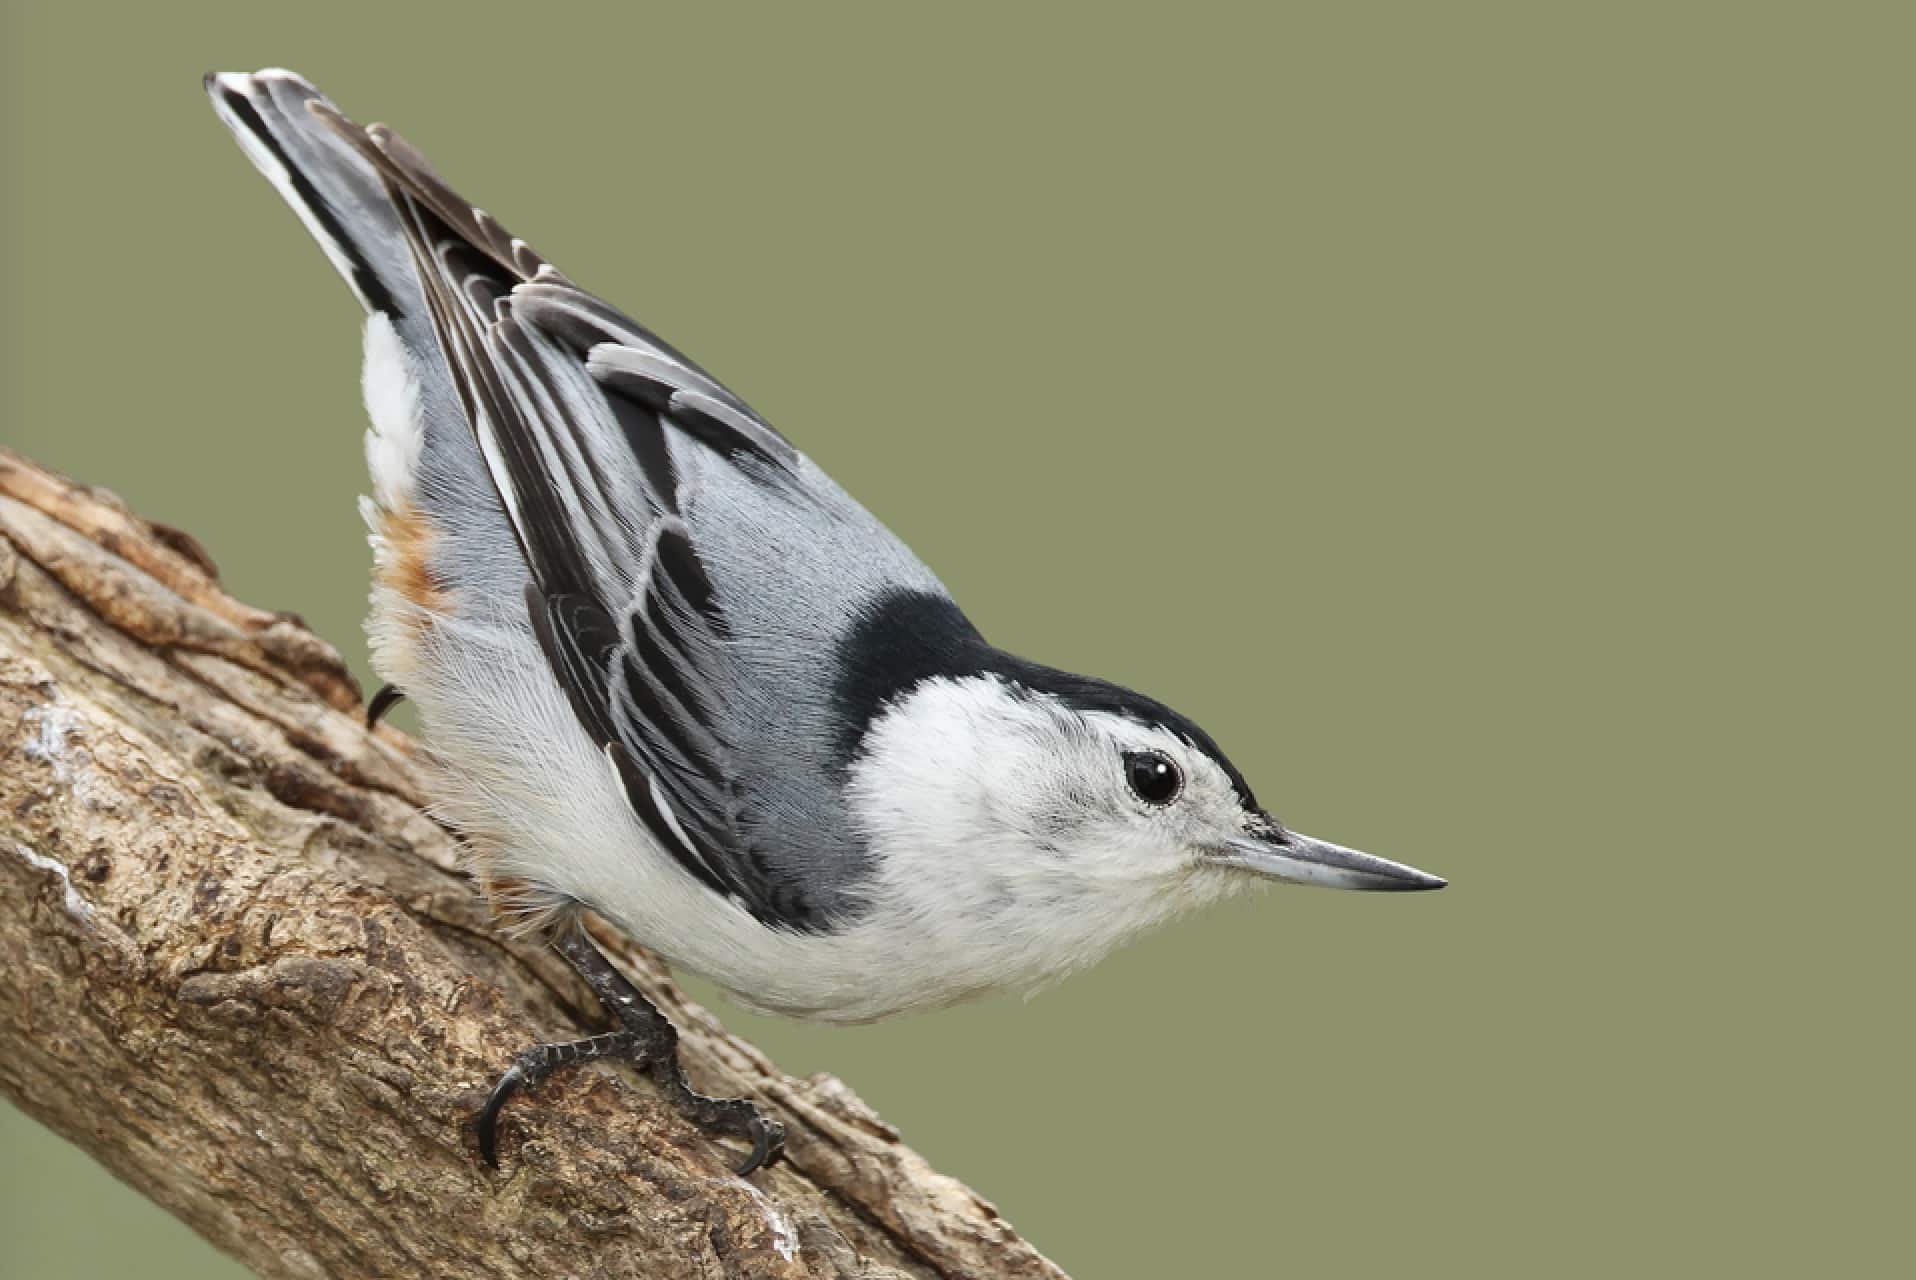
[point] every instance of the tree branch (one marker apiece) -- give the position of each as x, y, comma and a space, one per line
243, 972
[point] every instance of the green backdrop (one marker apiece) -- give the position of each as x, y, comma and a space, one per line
1491, 421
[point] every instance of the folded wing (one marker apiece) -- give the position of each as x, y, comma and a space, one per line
577, 411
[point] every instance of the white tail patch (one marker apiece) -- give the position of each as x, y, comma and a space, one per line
392, 402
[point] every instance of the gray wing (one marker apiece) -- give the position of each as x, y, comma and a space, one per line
621, 466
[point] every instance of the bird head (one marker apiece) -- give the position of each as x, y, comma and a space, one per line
1020, 821
1045, 781
1162, 787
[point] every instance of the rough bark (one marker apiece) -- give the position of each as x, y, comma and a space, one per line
242, 970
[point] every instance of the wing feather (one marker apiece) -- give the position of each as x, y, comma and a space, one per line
570, 402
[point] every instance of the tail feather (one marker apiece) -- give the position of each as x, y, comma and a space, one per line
440, 539
339, 197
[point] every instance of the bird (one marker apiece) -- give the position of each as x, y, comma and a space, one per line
671, 674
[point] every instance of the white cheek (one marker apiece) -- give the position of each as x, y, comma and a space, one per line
1009, 852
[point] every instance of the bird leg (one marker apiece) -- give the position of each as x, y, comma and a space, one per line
647, 1040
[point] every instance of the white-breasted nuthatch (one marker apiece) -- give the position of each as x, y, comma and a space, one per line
669, 671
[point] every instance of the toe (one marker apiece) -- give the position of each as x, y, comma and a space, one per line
768, 1142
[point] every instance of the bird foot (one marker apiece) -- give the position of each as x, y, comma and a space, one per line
647, 1040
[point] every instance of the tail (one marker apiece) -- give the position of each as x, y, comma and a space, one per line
335, 192
440, 539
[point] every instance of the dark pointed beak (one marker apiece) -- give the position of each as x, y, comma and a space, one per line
1289, 855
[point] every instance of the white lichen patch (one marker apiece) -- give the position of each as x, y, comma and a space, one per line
784, 1238
56, 737
76, 906
49, 727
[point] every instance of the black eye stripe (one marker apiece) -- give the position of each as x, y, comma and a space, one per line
1153, 777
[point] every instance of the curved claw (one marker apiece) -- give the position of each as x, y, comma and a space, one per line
388, 697
768, 1143
509, 1084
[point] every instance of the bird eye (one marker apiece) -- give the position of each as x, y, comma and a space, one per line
1153, 778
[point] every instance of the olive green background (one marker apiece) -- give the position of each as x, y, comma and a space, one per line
1491, 421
